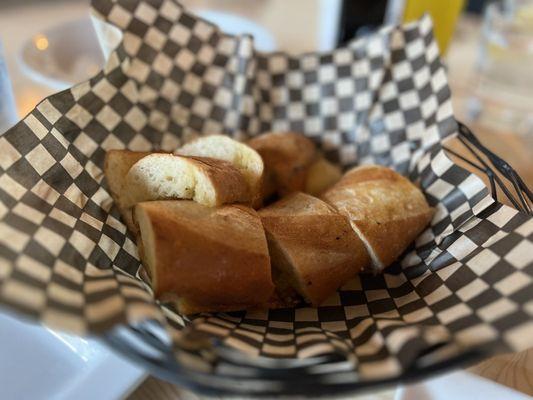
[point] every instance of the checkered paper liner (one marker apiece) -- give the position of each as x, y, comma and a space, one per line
464, 288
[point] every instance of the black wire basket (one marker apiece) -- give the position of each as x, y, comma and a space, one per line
267, 377
492, 167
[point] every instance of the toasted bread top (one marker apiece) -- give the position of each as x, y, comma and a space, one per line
222, 147
385, 209
287, 157
312, 245
116, 166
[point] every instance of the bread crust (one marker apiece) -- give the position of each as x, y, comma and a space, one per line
215, 259
206, 180
240, 155
385, 209
321, 176
287, 157
228, 182
116, 166
314, 244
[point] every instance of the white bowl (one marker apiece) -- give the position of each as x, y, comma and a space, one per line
39, 363
64, 55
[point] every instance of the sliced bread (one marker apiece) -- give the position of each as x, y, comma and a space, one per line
243, 157
208, 259
312, 246
166, 176
385, 209
321, 176
287, 157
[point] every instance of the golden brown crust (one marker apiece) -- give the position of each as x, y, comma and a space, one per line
287, 157
206, 180
313, 245
242, 156
257, 193
229, 183
213, 257
321, 176
386, 209
116, 165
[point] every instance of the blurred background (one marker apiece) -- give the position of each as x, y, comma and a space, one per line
487, 46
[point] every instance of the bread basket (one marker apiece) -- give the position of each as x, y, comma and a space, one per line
461, 292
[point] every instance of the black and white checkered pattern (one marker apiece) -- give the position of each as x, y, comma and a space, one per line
67, 260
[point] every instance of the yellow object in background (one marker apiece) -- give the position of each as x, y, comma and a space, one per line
443, 12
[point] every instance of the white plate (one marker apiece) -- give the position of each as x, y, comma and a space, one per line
39, 363
64, 55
